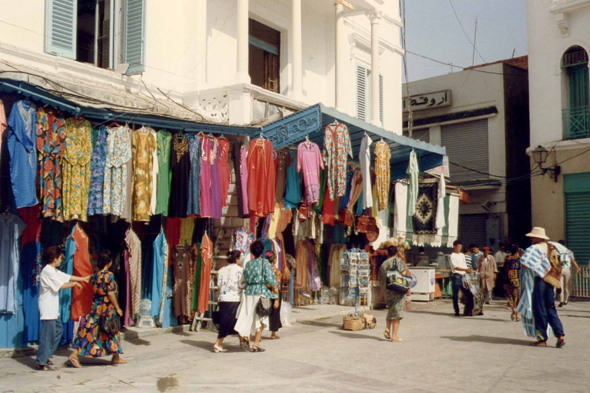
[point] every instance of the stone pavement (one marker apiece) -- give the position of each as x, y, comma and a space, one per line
440, 353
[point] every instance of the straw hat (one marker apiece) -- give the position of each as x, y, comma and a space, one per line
538, 232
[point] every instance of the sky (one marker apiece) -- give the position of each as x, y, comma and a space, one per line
432, 30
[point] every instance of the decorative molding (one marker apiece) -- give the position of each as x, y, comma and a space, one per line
216, 106
293, 128
364, 35
561, 9
375, 16
562, 24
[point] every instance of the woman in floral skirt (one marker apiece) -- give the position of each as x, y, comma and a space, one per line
90, 341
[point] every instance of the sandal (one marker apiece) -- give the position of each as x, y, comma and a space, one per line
396, 340
217, 349
258, 349
560, 342
539, 344
40, 367
118, 361
49, 362
245, 344
275, 337
386, 335
74, 361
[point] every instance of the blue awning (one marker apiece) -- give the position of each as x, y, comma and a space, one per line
311, 122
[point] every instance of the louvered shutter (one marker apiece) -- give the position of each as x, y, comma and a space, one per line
577, 215
61, 27
473, 229
361, 92
467, 145
381, 99
135, 36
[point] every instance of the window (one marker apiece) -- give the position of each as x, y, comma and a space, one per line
264, 55
576, 118
85, 30
363, 94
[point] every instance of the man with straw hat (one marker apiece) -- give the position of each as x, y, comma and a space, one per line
540, 278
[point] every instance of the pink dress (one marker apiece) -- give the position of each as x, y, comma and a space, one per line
309, 160
224, 171
205, 178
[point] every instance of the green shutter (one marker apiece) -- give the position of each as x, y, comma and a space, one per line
61, 27
578, 77
381, 99
577, 215
135, 36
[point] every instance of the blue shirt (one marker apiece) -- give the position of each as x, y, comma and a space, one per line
475, 258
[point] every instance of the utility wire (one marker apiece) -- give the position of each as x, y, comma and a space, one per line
464, 32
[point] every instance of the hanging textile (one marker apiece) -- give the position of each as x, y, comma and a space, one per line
30, 268
81, 298
134, 261
127, 203
315, 283
301, 269
4, 157
382, 172
261, 178
323, 183
97, 170
274, 222
181, 262
242, 241
224, 171
194, 190
11, 228
67, 266
164, 142
51, 135
206, 191
293, 187
187, 229
453, 219
23, 154
328, 216
30, 216
159, 269
365, 161
336, 149
425, 217
207, 255
216, 182
116, 184
197, 250
347, 194
76, 169
164, 285
154, 175
440, 213
414, 185
282, 163
180, 164
400, 210
356, 189
144, 147
334, 263
240, 170
309, 160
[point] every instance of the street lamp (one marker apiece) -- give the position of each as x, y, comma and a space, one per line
540, 155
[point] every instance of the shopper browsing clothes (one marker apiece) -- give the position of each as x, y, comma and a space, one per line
459, 268
92, 340
566, 276
275, 315
257, 274
486, 266
230, 281
52, 281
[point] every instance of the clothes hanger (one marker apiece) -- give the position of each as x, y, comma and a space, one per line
222, 136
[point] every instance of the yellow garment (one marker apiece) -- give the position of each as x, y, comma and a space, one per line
382, 173
76, 169
274, 222
144, 146
187, 228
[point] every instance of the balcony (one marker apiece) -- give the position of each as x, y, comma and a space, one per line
576, 122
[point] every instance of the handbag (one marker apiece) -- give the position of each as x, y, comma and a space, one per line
345, 218
362, 224
397, 282
110, 327
264, 306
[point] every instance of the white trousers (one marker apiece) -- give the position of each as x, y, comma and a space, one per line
248, 320
566, 280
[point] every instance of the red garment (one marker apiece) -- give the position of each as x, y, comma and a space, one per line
172, 234
81, 298
224, 171
261, 178
207, 255
328, 210
30, 215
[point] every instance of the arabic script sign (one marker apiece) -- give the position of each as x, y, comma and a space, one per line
428, 101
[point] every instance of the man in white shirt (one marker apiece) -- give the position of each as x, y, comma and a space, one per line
459, 267
52, 281
566, 276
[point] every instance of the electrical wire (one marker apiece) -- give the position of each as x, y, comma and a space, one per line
464, 32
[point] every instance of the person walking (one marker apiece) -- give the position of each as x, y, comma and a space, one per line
486, 266
459, 268
52, 281
500, 257
230, 281
275, 315
91, 341
394, 299
257, 274
566, 276
512, 271
467, 255
475, 255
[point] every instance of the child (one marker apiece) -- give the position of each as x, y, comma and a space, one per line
52, 281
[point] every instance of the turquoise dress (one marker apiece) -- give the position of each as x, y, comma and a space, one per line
393, 299
293, 191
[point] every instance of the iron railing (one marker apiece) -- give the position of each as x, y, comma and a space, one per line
581, 282
576, 123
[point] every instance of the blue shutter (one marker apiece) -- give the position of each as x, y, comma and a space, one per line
381, 100
135, 36
61, 27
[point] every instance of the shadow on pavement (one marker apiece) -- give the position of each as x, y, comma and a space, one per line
321, 324
208, 345
475, 318
489, 340
138, 341
358, 335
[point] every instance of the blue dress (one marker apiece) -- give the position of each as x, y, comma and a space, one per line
194, 190
293, 189
160, 261
97, 165
30, 271
65, 297
23, 153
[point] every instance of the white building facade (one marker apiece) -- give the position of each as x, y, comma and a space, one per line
559, 43
231, 61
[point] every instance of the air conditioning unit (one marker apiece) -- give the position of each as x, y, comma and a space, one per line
487, 204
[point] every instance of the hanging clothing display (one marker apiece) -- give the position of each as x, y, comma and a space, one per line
194, 190
11, 228
206, 177
315, 283
309, 160
282, 163
365, 161
51, 135
67, 266
164, 142
30, 268
144, 147
119, 154
401, 209
187, 229
424, 218
261, 178
23, 154
293, 188
180, 165
301, 269
97, 169
154, 175
336, 150
134, 261
216, 182
347, 194
440, 213
159, 267
240, 170
207, 255
197, 279
382, 173
414, 184
242, 241
4, 157
76, 169
81, 298
181, 262
224, 172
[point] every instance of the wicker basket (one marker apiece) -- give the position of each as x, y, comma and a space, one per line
353, 322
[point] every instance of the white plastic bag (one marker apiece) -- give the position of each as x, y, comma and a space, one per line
286, 312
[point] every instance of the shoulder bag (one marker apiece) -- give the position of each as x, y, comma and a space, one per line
264, 306
397, 282
110, 327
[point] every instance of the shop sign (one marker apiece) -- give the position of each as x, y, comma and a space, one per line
441, 170
428, 101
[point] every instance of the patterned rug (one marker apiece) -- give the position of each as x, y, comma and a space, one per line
426, 205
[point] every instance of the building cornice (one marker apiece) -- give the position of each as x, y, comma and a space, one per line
562, 9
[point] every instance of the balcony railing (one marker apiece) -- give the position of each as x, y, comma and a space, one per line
576, 123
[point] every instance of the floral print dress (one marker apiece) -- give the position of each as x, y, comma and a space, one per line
115, 177
336, 149
382, 172
144, 146
90, 341
97, 165
393, 299
76, 169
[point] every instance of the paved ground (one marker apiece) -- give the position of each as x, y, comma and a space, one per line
440, 353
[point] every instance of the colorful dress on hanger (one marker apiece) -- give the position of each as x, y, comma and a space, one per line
144, 146
180, 165
76, 169
336, 149
309, 160
51, 135
240, 166
164, 142
154, 174
216, 182
134, 261
382, 172
365, 161
282, 163
224, 172
293, 187
207, 255
159, 269
23, 155
97, 169
81, 298
181, 262
206, 177
11, 228
194, 191
119, 154
261, 178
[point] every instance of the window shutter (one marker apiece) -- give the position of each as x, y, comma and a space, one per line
61, 27
381, 100
361, 92
135, 36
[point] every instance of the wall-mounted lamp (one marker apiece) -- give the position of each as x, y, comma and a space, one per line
540, 155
